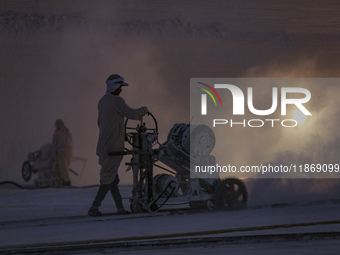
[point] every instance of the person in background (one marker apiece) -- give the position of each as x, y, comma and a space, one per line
62, 145
111, 112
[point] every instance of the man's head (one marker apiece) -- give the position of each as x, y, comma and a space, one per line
59, 123
114, 84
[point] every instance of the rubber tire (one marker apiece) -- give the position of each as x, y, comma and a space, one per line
136, 208
210, 205
26, 171
227, 197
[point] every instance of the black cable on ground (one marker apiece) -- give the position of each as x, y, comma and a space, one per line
14, 183
43, 187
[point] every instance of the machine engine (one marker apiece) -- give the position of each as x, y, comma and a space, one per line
188, 145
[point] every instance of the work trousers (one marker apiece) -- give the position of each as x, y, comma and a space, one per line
104, 189
61, 164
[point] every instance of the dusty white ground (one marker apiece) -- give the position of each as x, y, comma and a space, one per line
58, 215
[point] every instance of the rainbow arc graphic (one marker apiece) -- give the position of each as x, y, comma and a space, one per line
209, 93
204, 97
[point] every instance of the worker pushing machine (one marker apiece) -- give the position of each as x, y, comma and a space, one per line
52, 161
111, 112
62, 145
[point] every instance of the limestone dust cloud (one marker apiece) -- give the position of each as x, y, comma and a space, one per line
314, 141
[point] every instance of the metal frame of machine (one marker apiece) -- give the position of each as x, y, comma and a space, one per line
151, 192
40, 162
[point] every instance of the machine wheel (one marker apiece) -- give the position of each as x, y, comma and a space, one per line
154, 207
136, 208
26, 171
230, 193
210, 205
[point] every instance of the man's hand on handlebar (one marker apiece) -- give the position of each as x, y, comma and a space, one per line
144, 110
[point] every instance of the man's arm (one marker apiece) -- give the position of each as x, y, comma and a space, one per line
129, 112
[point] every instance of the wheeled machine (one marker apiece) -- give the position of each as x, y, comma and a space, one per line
40, 162
186, 145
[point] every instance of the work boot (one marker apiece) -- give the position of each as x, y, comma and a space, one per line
122, 211
94, 211
67, 183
